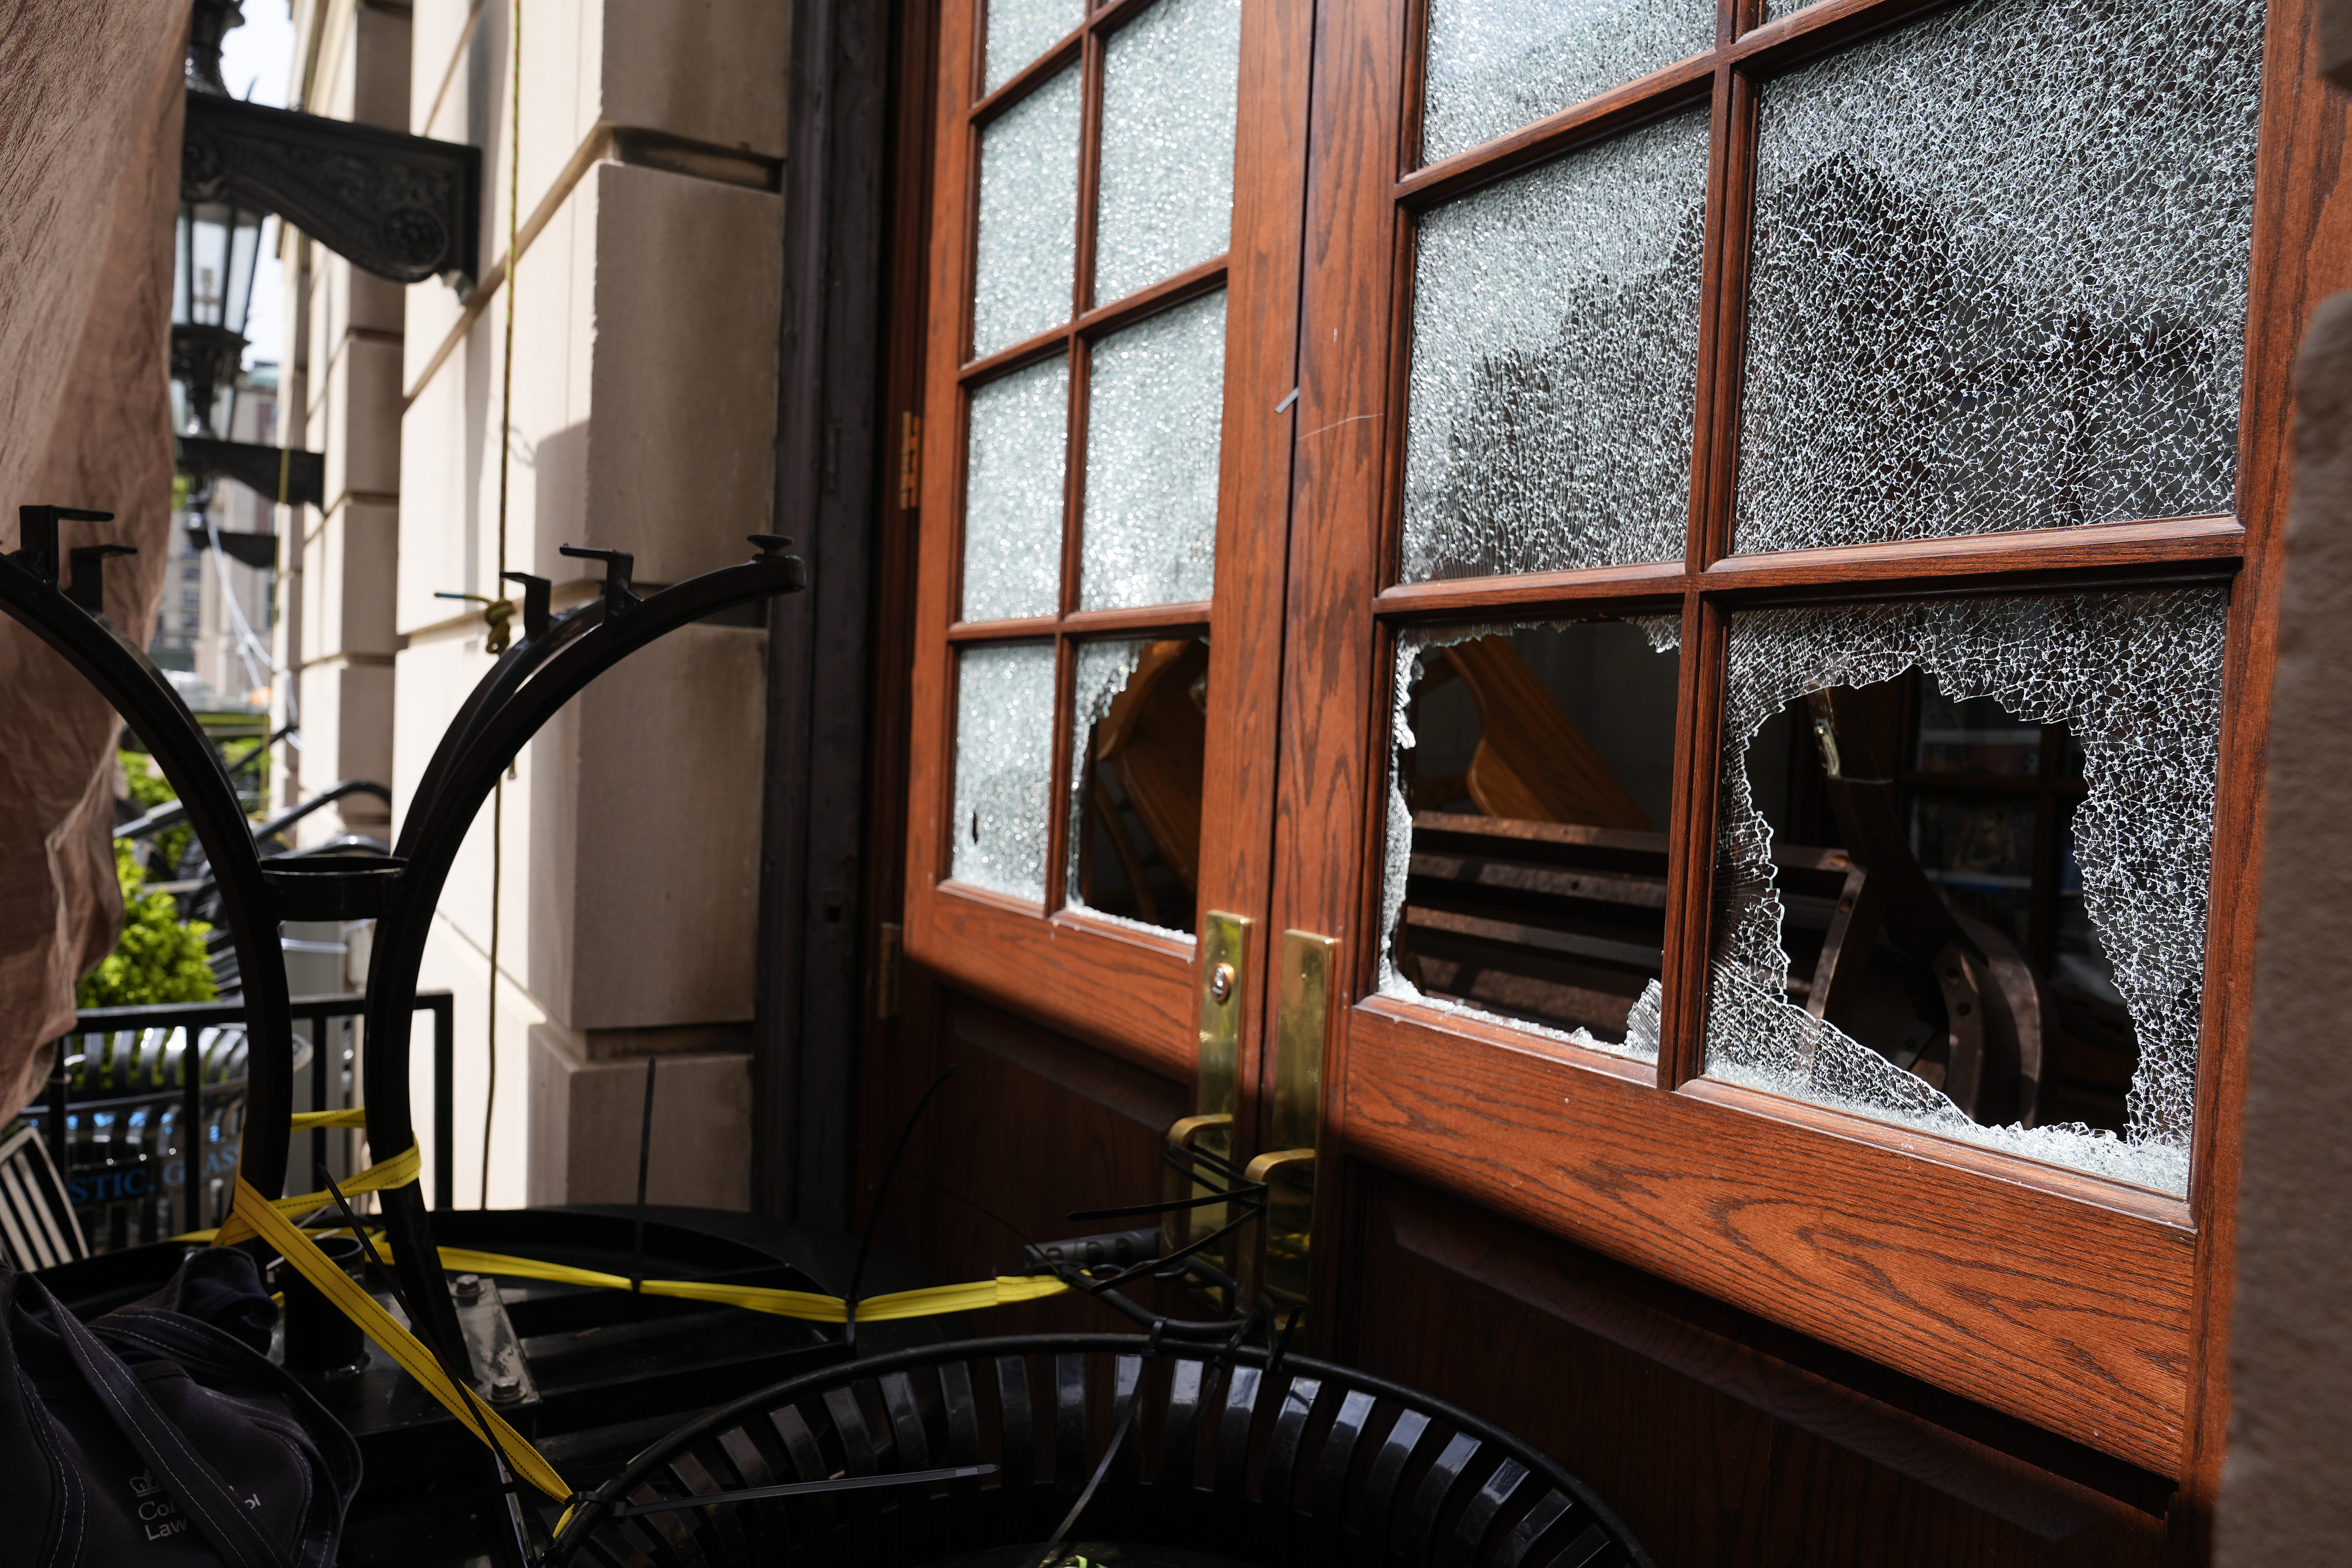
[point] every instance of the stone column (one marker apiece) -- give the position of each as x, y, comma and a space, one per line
639, 414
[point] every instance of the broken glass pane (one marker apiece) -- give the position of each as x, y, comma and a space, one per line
1532, 784
1972, 951
1555, 363
1167, 183
1021, 30
1141, 732
1028, 245
1003, 767
2000, 274
1493, 66
1156, 402
1012, 494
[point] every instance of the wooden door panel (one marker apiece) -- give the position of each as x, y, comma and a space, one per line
1721, 1439
1032, 1125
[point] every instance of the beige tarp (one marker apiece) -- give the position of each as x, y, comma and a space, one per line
90, 157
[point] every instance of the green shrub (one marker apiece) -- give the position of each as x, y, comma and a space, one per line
161, 958
148, 791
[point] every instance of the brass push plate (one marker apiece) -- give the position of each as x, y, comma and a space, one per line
1209, 1130
1282, 1265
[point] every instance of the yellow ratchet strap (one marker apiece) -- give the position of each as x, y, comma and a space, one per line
397, 1172
805, 1305
299, 1248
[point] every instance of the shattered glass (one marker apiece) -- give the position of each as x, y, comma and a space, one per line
1156, 402
1999, 276
1003, 767
1028, 246
1012, 494
1021, 30
1530, 784
1493, 66
1167, 185
1139, 740
2136, 680
1555, 363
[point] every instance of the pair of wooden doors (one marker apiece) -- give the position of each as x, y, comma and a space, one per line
1718, 559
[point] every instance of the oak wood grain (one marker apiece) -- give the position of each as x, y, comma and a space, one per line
2030, 1301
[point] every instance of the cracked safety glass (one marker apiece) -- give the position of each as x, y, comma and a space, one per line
1961, 867
1527, 812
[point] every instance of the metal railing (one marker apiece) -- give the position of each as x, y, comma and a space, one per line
148, 1148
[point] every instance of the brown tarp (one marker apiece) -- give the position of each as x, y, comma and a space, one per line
89, 160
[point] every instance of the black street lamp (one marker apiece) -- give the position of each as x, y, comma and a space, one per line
212, 293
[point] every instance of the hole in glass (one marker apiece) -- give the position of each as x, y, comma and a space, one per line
1143, 713
1962, 867
1527, 846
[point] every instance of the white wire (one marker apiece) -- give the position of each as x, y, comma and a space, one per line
247, 644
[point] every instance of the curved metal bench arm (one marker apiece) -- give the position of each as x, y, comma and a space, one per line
556, 659
1306, 1462
72, 622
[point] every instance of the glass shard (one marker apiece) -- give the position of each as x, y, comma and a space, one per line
1028, 245
1156, 400
1533, 779
1493, 66
1906, 943
1012, 494
1021, 30
1999, 275
1167, 185
1003, 767
1555, 362
1141, 728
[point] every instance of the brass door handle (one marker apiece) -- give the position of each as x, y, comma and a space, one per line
1176, 1225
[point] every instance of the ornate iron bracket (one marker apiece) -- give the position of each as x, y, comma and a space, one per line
259, 467
403, 207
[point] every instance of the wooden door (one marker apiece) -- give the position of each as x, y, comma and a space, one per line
1745, 615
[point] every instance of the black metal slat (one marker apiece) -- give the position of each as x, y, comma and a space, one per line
1446, 1473
960, 1414
752, 1469
669, 1535
906, 1422
1234, 1429
807, 1456
1179, 1450
1376, 1504
1533, 1526
1013, 1406
1127, 1388
1282, 1449
1587, 1551
1339, 1454
716, 1529
1072, 1463
1478, 1519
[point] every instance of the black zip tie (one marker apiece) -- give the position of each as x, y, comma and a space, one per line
874, 1217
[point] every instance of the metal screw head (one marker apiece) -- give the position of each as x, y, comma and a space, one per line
506, 1390
465, 1287
1221, 983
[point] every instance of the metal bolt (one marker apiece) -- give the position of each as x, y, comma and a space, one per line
506, 1390
1221, 983
467, 1287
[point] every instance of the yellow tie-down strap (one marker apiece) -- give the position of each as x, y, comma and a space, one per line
272, 1220
302, 1249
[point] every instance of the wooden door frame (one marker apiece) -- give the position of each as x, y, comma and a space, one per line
1127, 990
1540, 1131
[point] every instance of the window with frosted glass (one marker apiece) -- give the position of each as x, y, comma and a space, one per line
1094, 407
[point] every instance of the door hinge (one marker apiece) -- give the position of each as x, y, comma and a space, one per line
910, 461
891, 943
